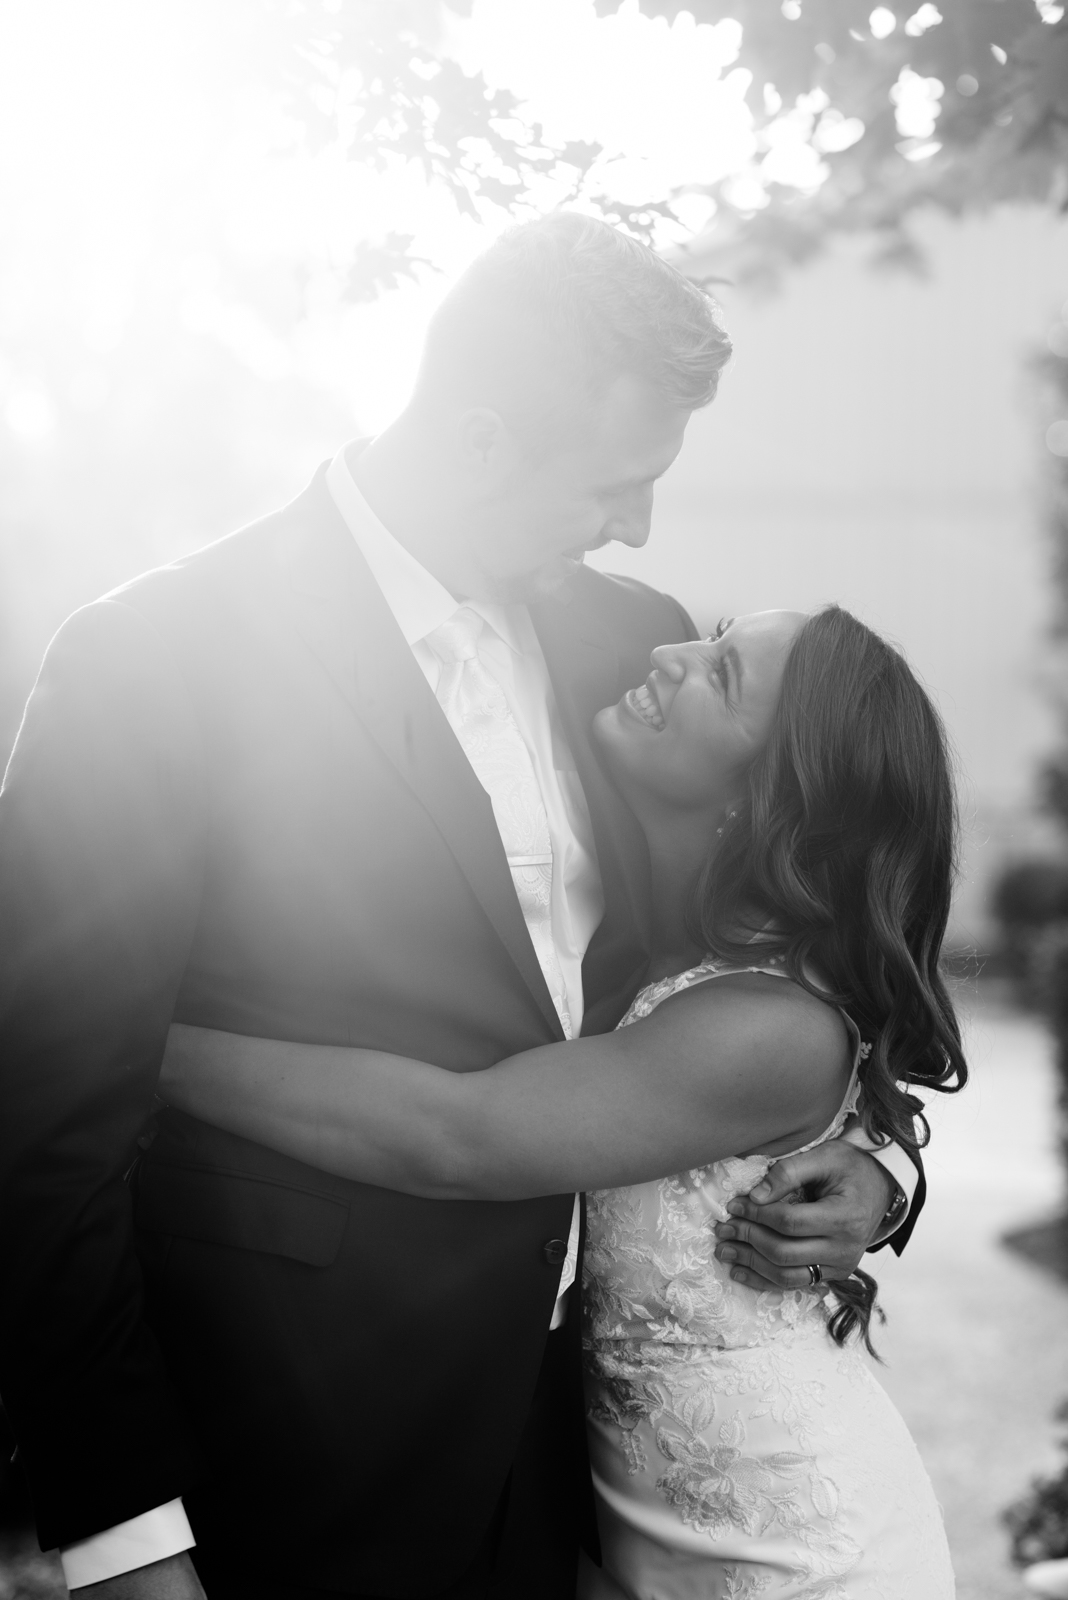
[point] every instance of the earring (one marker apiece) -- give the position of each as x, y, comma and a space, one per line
729, 818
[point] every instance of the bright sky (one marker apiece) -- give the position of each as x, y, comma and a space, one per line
146, 173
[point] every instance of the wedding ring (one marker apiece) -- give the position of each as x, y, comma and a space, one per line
815, 1275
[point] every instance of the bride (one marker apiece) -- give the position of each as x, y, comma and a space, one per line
792, 779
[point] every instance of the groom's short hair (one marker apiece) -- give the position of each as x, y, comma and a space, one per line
553, 313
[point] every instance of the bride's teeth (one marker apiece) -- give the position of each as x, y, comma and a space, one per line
645, 703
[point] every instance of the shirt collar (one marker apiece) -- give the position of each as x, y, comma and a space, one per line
419, 603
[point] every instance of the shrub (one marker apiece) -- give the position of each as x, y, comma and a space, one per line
1039, 1522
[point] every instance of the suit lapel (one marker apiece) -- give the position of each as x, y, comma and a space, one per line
583, 663
342, 617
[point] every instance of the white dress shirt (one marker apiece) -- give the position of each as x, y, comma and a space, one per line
511, 651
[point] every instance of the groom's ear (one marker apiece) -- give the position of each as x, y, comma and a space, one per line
486, 445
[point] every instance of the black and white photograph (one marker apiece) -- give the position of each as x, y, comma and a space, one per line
534, 816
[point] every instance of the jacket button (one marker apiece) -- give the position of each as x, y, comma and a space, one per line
555, 1252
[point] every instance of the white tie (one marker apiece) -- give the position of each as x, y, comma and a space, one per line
482, 720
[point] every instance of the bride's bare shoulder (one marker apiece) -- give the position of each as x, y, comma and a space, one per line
771, 1014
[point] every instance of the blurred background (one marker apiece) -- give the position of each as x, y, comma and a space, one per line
222, 231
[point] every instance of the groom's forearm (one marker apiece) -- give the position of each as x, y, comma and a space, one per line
902, 1169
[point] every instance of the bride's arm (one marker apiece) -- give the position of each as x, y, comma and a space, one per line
723, 1068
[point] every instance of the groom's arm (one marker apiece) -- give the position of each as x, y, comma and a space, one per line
905, 1170
100, 863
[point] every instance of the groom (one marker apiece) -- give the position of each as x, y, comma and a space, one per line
331, 779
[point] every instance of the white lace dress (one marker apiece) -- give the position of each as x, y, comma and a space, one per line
736, 1449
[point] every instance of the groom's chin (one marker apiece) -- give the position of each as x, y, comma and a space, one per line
547, 582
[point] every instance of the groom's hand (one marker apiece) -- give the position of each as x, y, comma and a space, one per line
823, 1208
172, 1579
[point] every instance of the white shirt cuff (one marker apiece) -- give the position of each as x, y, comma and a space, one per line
153, 1536
569, 1269
898, 1165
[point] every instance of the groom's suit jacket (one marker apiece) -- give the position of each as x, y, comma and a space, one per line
235, 802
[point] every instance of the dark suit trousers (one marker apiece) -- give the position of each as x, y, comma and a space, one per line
530, 1551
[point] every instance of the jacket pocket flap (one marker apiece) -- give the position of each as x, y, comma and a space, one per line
244, 1213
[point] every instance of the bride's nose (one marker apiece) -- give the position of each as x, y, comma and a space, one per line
670, 659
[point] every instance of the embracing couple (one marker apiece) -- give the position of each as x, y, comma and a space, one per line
447, 1014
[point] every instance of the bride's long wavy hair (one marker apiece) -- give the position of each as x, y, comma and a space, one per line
841, 857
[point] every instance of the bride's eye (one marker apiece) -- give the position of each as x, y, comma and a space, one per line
721, 627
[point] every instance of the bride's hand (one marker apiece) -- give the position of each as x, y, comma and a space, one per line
772, 1239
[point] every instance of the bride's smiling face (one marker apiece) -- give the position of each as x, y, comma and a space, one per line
686, 738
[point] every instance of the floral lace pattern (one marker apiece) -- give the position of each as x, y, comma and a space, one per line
737, 1451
